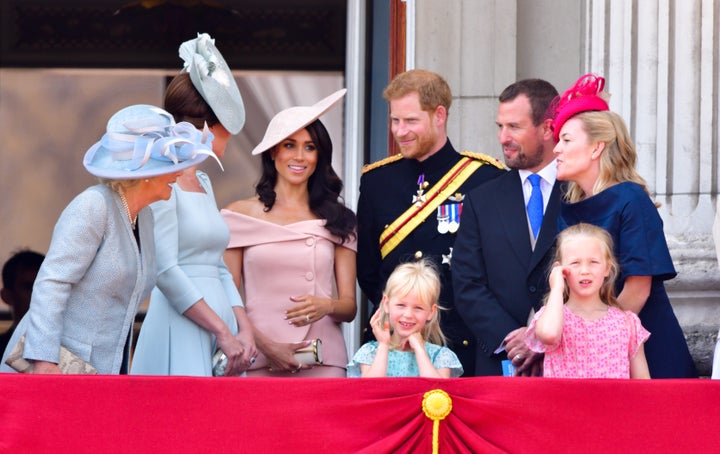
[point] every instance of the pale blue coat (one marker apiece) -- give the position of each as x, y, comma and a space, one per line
91, 283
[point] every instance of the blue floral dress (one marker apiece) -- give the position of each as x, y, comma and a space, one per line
402, 363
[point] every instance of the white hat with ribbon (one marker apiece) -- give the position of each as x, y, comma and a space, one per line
289, 121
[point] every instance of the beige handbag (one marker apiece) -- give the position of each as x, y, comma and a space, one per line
69, 362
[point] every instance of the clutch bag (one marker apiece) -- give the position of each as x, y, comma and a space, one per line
69, 362
311, 354
308, 355
219, 363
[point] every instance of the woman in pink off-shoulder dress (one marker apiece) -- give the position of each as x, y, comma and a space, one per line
292, 249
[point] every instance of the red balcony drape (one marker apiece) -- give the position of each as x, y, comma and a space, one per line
491, 414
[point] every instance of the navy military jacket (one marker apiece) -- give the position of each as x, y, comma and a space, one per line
385, 193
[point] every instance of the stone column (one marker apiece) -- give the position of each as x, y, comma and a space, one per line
473, 44
661, 64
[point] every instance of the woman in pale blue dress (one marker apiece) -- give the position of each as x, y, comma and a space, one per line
409, 341
196, 308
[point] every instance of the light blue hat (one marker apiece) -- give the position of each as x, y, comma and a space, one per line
144, 141
211, 77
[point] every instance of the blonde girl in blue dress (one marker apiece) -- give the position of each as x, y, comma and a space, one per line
409, 341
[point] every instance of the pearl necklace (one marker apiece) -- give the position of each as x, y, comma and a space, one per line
127, 210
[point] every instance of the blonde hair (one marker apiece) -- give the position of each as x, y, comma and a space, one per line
422, 280
119, 185
593, 232
618, 159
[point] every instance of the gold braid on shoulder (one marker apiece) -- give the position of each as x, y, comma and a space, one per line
485, 158
382, 162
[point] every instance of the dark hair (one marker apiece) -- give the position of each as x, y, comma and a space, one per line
24, 259
540, 93
324, 186
185, 103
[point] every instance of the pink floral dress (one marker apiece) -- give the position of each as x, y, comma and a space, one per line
599, 348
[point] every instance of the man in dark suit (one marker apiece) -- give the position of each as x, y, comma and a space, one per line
501, 255
410, 204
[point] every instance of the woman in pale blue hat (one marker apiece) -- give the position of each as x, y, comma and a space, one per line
196, 310
101, 261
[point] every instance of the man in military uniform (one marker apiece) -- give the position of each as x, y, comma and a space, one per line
410, 205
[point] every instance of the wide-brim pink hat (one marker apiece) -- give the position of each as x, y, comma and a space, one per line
293, 119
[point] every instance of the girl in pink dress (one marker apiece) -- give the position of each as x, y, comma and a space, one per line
580, 329
292, 249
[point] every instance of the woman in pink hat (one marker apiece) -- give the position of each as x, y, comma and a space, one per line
595, 153
291, 245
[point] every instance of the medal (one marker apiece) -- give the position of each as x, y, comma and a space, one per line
443, 217
454, 221
419, 198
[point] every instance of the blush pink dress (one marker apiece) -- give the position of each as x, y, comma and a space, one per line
599, 348
280, 261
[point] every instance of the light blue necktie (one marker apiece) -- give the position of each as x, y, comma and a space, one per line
535, 204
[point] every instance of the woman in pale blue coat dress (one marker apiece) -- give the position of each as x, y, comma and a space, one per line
196, 308
101, 263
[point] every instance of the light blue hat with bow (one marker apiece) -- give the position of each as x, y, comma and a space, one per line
143, 141
212, 77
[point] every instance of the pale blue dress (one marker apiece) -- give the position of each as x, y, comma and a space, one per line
403, 363
190, 237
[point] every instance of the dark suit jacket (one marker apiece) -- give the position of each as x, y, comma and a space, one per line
497, 277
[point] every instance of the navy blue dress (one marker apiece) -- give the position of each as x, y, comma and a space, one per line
631, 218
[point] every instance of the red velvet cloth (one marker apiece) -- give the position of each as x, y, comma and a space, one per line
492, 414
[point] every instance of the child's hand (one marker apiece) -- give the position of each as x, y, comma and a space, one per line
380, 328
557, 276
415, 341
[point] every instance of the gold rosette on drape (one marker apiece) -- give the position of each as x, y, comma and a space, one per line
436, 405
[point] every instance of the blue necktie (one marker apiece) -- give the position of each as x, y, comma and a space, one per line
535, 204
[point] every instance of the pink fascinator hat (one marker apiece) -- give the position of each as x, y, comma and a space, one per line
583, 96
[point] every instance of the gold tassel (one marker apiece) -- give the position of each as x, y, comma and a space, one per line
436, 405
